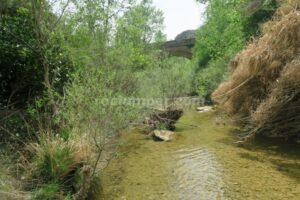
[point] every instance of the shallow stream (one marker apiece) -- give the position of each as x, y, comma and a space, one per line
202, 163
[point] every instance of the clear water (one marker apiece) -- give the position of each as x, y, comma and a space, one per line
202, 163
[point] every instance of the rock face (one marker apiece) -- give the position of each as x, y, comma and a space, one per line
204, 109
163, 135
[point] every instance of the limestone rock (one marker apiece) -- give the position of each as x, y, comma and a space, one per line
204, 109
163, 135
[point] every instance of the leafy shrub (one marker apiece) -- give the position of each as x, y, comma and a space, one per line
227, 28
217, 40
25, 97
209, 78
96, 108
21, 68
172, 78
90, 107
161, 126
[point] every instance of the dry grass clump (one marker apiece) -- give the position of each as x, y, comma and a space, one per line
10, 186
285, 7
263, 90
55, 168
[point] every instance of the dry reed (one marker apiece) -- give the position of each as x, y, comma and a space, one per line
263, 91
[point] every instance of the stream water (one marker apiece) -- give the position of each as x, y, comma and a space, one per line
202, 163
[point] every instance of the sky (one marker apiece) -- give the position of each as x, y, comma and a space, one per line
180, 15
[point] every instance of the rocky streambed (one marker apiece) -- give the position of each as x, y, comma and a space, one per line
202, 162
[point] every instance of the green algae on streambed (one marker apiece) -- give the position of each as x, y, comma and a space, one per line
203, 162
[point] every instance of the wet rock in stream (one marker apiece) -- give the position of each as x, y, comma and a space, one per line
162, 135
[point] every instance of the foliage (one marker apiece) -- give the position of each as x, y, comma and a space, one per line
100, 106
225, 32
137, 28
17, 57
47, 192
140, 25
34, 66
210, 77
21, 73
77, 74
94, 106
171, 79
161, 126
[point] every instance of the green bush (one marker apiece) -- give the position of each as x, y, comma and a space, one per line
227, 28
210, 77
172, 78
162, 126
90, 108
21, 68
26, 48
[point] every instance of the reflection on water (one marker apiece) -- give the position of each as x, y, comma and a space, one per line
197, 175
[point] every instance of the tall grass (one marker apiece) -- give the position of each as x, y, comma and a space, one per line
54, 167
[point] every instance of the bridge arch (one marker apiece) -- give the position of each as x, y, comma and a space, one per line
182, 45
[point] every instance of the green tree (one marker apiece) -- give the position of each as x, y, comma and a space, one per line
136, 30
92, 25
227, 28
34, 65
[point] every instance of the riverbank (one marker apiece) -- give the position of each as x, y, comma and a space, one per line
202, 162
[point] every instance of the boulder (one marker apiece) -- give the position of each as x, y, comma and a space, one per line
163, 135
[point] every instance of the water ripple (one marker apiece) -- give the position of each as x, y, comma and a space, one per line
198, 175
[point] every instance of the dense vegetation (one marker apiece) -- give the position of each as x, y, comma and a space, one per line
228, 27
262, 85
71, 72
262, 92
75, 74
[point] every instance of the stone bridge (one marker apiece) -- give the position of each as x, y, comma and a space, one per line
182, 45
